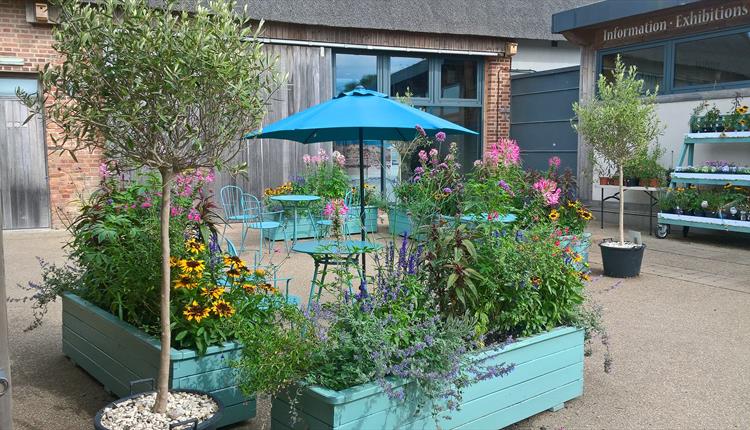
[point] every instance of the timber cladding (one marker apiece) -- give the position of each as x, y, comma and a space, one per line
388, 38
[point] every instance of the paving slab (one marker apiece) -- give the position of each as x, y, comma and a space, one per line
679, 333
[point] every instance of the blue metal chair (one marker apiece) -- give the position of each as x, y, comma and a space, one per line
351, 200
263, 221
231, 197
275, 281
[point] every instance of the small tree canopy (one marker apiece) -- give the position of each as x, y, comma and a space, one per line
177, 93
620, 122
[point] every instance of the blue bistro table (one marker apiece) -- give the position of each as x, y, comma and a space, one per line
333, 253
295, 202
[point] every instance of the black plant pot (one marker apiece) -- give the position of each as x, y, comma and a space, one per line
209, 424
631, 182
622, 262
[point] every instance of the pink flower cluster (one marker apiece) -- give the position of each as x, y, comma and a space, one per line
189, 182
104, 171
322, 157
335, 208
554, 162
549, 190
505, 151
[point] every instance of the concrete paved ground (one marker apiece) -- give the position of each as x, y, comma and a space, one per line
680, 339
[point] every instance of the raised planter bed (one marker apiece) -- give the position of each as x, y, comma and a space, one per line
548, 372
115, 353
306, 230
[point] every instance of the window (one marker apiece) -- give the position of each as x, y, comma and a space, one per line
353, 70
468, 145
458, 79
649, 61
449, 87
715, 60
712, 61
410, 74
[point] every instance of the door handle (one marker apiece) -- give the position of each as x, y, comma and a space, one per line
4, 383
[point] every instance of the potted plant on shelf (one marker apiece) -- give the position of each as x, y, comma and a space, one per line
618, 124
696, 122
157, 88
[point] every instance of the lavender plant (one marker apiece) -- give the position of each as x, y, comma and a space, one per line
389, 332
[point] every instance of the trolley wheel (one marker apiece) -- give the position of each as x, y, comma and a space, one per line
685, 230
662, 230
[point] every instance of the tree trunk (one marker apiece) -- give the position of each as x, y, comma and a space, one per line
6, 422
162, 388
622, 209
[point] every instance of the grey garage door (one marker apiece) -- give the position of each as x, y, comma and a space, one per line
24, 190
540, 114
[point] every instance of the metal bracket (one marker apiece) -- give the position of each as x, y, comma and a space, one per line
4, 383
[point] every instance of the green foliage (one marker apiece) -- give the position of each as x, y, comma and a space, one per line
392, 332
435, 189
114, 254
494, 188
620, 121
325, 176
527, 284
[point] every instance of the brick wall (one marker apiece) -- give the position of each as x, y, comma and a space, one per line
496, 99
68, 180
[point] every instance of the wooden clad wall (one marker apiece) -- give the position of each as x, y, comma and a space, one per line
24, 193
271, 162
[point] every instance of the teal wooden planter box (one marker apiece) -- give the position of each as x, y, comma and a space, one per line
305, 229
399, 222
115, 353
548, 372
579, 245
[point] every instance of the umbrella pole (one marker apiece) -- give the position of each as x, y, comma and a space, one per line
382, 169
362, 193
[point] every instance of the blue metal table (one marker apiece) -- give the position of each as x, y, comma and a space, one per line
332, 253
295, 202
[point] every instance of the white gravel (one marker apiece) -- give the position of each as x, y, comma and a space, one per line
137, 414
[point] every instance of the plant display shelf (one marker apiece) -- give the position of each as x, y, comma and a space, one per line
691, 139
666, 220
710, 178
687, 221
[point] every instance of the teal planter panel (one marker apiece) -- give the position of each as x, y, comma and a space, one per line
399, 222
115, 353
306, 230
548, 372
580, 244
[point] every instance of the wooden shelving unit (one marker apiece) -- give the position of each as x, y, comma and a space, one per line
665, 221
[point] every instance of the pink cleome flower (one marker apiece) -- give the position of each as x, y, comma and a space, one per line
554, 162
549, 190
505, 151
440, 136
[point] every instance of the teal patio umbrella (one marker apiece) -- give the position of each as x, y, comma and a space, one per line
357, 115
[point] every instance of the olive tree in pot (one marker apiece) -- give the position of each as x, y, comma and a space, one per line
156, 88
618, 124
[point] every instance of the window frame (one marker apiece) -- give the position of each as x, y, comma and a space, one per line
669, 60
383, 64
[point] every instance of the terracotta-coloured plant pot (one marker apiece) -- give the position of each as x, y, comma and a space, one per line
604, 180
649, 182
